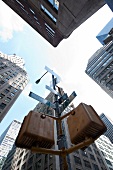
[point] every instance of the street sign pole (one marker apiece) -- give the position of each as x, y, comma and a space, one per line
61, 138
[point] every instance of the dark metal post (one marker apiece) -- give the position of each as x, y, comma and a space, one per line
61, 139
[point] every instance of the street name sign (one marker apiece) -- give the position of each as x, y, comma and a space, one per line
53, 91
67, 102
53, 73
42, 100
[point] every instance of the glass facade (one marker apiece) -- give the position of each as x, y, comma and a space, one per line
106, 150
105, 31
7, 140
109, 124
100, 68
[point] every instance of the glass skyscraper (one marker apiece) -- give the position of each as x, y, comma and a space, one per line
100, 68
7, 140
109, 124
105, 31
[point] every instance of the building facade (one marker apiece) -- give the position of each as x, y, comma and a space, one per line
79, 160
104, 33
100, 68
53, 19
106, 150
13, 79
109, 125
7, 140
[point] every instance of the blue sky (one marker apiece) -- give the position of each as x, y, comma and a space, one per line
68, 60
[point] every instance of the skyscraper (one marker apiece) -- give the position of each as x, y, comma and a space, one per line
104, 32
13, 79
7, 140
106, 150
100, 68
55, 19
109, 125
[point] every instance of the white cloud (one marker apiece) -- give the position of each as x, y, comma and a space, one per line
9, 22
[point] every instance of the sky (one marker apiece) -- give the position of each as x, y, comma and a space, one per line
69, 60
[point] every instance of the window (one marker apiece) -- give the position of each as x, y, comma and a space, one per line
46, 158
50, 157
2, 82
23, 166
84, 153
2, 106
111, 157
38, 155
94, 145
87, 164
50, 31
95, 167
89, 149
15, 90
6, 79
14, 84
8, 99
48, 14
92, 157
12, 94
9, 87
19, 87
38, 164
104, 153
25, 156
51, 167
1, 96
1, 76
19, 162
6, 91
30, 168
96, 152
5, 74
55, 4
110, 168
77, 160
108, 162
21, 154
30, 161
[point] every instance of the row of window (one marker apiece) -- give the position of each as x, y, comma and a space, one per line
6, 91
99, 55
86, 163
14, 84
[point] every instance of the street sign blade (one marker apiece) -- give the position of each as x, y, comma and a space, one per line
52, 90
42, 100
63, 98
67, 102
53, 73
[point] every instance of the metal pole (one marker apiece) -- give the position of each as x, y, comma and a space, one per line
60, 136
